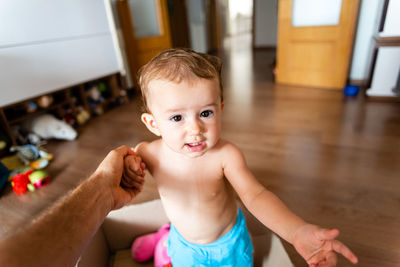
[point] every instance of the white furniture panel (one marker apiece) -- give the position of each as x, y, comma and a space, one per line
29, 71
34, 21
386, 71
392, 21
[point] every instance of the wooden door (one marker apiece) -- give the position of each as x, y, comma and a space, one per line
179, 27
317, 56
141, 41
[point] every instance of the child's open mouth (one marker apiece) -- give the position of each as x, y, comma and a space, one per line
195, 147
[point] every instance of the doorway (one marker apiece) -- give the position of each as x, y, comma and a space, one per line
240, 15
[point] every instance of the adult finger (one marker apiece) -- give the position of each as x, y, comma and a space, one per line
339, 247
125, 150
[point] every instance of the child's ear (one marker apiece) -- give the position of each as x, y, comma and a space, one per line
150, 123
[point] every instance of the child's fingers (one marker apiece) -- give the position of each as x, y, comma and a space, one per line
331, 259
130, 183
130, 178
316, 259
326, 234
339, 247
135, 174
135, 165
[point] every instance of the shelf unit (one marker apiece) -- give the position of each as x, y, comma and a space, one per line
64, 99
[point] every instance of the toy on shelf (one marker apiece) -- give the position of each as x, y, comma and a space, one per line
31, 107
83, 116
4, 143
94, 99
47, 126
29, 180
45, 101
152, 245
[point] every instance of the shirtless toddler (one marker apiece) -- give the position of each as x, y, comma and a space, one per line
198, 174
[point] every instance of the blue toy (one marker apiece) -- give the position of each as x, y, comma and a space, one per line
351, 90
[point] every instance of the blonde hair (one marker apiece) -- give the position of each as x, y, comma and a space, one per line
176, 65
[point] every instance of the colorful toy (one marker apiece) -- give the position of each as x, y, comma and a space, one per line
26, 153
32, 156
38, 179
351, 90
152, 245
31, 107
45, 101
30, 180
83, 116
20, 183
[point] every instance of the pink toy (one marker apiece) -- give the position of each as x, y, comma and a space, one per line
152, 245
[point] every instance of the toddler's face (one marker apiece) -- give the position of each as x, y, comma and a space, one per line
187, 115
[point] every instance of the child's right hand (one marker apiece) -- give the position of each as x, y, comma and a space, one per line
133, 176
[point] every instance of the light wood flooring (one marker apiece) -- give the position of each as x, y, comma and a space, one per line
333, 160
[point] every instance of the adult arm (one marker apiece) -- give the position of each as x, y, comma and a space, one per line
316, 245
58, 237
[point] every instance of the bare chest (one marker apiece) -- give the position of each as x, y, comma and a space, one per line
199, 179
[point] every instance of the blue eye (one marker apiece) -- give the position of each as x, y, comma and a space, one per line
176, 118
207, 113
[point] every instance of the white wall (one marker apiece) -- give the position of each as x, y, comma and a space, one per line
47, 45
266, 23
368, 25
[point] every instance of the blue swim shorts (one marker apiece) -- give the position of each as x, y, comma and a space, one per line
232, 249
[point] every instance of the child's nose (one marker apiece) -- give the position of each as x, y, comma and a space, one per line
194, 127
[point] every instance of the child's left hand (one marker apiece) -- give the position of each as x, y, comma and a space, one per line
319, 247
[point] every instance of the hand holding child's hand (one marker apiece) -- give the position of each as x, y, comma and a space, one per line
319, 247
133, 176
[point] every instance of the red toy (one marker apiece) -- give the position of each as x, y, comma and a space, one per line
20, 182
30, 180
152, 245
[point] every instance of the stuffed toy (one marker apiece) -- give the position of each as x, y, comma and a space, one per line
45, 101
47, 126
32, 156
152, 245
26, 153
29, 180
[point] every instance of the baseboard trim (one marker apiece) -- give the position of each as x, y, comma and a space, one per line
258, 48
361, 83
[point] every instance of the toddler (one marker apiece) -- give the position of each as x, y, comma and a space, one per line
197, 173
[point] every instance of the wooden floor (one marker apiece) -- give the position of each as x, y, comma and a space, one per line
335, 161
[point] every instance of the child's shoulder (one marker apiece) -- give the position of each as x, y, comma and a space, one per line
145, 147
227, 148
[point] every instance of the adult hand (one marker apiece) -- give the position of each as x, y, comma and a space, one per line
319, 247
109, 176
